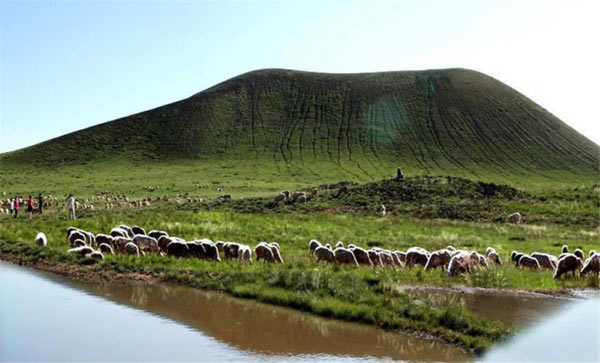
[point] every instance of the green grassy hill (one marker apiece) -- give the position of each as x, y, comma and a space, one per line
314, 126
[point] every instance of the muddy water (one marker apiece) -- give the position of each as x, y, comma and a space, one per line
517, 309
44, 317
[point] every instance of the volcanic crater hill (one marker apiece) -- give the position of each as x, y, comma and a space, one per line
452, 121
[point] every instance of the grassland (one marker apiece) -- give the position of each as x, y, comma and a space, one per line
367, 295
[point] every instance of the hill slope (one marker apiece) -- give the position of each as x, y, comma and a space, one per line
453, 122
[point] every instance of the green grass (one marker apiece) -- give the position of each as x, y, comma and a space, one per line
361, 294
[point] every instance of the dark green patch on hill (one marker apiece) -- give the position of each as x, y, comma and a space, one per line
448, 122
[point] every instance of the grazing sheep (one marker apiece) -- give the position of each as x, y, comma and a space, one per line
386, 258
146, 243
302, 199
90, 239
545, 260
327, 245
439, 258
375, 258
495, 258
41, 240
296, 195
579, 253
245, 254
416, 256
565, 249
459, 264
196, 249
75, 235
163, 242
517, 258
118, 232
119, 244
351, 246
82, 250
131, 248
106, 248
313, 244
282, 196
262, 251
211, 250
451, 248
127, 229
362, 256
177, 249
344, 256
514, 218
591, 265
340, 244
529, 262
324, 254
592, 252
489, 250
481, 259
138, 230
71, 229
567, 263
220, 246
97, 255
401, 256
231, 251
157, 234
381, 211
106, 239
276, 252
78, 243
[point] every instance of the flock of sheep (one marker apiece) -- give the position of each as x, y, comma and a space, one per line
135, 241
454, 261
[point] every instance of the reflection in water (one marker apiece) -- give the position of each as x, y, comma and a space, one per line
45, 317
514, 309
570, 335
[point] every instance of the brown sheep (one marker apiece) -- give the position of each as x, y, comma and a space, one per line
178, 249
529, 262
514, 218
131, 249
163, 242
401, 257
375, 258
591, 265
75, 235
386, 258
281, 197
210, 249
416, 256
157, 234
196, 249
302, 199
106, 239
138, 230
231, 250
324, 254
262, 251
41, 240
106, 249
545, 260
312, 246
344, 256
495, 258
567, 263
119, 244
296, 195
245, 254
146, 244
459, 264
439, 258
118, 232
362, 256
83, 250
276, 252
579, 253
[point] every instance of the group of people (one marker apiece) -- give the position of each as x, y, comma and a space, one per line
16, 203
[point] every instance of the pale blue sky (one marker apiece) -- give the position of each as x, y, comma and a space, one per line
66, 65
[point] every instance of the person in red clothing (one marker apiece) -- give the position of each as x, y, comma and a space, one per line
16, 207
30, 207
